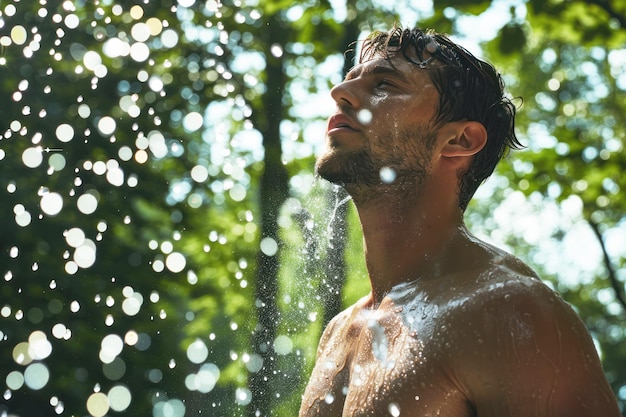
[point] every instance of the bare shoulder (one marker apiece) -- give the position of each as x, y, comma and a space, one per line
339, 326
524, 347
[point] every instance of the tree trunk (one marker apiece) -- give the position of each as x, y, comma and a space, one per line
273, 192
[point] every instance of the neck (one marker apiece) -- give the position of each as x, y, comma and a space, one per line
408, 238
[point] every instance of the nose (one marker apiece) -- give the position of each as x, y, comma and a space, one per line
345, 93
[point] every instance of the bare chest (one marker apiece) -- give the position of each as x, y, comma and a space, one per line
380, 365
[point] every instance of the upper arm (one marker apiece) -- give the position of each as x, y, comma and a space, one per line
335, 329
530, 354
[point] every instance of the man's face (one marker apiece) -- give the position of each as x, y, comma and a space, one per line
382, 131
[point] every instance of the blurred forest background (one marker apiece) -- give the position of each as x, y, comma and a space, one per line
165, 249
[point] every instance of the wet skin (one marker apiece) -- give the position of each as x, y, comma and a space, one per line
492, 341
452, 327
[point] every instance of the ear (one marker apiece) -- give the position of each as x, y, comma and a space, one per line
464, 138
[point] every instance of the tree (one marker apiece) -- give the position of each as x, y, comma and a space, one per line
153, 157
564, 59
138, 144
106, 253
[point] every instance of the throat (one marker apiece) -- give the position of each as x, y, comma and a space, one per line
395, 255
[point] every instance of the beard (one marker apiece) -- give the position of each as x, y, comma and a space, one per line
406, 153
356, 167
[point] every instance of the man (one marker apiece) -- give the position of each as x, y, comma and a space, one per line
452, 327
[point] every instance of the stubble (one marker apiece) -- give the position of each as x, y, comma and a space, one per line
405, 153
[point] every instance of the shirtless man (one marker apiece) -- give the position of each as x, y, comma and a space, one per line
452, 327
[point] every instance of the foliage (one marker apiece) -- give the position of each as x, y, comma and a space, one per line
178, 137
566, 59
149, 262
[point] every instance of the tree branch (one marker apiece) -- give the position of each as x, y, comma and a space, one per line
615, 283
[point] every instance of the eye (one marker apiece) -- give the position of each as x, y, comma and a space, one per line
384, 83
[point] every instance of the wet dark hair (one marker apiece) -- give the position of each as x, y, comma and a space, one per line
469, 88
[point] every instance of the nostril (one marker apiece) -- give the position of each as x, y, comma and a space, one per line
342, 94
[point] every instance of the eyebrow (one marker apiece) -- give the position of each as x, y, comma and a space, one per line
375, 70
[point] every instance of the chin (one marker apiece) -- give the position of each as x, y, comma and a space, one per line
347, 168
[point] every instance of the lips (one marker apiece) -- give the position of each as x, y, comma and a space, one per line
340, 122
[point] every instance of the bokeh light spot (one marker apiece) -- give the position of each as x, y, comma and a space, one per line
197, 352
51, 203
132, 304
32, 157
19, 34
110, 347
171, 408
107, 125
87, 203
283, 345
175, 262
193, 121
75, 237
98, 404
199, 173
269, 246
15, 380
119, 398
36, 376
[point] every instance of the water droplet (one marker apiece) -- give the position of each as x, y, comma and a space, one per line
106, 125
186, 3
432, 47
74, 237
387, 175
199, 173
364, 116
170, 408
394, 409
22, 217
175, 262
59, 330
197, 352
15, 380
114, 370
98, 404
169, 38
206, 378
243, 396
65, 132
19, 34
36, 376
57, 162
32, 157
254, 362
51, 203
193, 121
119, 398
132, 304
283, 345
110, 347
38, 346
85, 254
237, 192
269, 246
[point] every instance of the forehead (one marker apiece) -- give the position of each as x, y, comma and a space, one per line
395, 65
